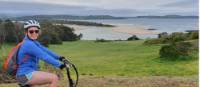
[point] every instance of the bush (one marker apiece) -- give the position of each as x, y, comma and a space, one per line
183, 48
49, 36
55, 34
163, 34
177, 36
168, 39
152, 41
168, 51
10, 31
66, 33
55, 39
193, 35
102, 40
134, 37
179, 50
45, 40
195, 44
156, 41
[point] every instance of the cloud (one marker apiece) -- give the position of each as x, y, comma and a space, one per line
106, 4
183, 4
99, 7
35, 8
187, 7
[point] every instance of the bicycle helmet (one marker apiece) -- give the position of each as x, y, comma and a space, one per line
31, 23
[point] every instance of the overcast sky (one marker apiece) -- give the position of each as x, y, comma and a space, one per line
99, 7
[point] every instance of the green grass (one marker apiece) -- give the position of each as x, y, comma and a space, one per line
4, 50
121, 58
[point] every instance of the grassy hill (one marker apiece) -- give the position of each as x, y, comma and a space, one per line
123, 59
131, 60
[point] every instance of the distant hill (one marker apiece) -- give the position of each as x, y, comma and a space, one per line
168, 16
66, 17
89, 17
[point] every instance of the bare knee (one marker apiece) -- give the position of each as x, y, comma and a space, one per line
40, 78
54, 78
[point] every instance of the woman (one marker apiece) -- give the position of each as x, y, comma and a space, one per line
31, 51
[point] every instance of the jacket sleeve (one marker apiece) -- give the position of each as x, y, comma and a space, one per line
48, 51
34, 50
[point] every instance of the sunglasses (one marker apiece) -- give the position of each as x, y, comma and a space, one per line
32, 31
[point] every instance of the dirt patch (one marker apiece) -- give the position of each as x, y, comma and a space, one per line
138, 82
6, 79
152, 81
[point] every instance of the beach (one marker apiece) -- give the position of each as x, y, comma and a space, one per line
138, 30
118, 28
119, 32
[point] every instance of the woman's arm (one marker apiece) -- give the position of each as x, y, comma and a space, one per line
33, 49
48, 51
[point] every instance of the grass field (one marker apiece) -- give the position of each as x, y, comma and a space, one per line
125, 64
123, 59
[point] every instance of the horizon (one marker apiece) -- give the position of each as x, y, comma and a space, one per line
4, 15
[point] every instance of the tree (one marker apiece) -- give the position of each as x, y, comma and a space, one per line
1, 21
19, 31
55, 34
134, 37
2, 35
10, 31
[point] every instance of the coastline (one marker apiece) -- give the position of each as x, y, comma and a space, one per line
133, 30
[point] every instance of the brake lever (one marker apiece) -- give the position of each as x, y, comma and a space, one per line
67, 63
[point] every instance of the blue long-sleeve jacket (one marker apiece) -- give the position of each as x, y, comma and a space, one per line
33, 51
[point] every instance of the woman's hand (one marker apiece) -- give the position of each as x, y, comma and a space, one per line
62, 66
62, 58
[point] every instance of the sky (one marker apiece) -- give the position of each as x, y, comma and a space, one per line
120, 8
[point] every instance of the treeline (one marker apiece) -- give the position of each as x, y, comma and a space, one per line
13, 32
67, 19
71, 17
85, 23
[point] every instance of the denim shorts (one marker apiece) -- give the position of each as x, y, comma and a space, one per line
23, 79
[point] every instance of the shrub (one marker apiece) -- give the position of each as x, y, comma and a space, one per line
195, 44
168, 39
177, 36
134, 37
55, 39
179, 50
163, 34
168, 51
194, 35
153, 41
102, 40
55, 34
66, 33
45, 40
10, 31
183, 48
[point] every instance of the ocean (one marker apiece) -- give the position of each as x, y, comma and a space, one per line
168, 25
